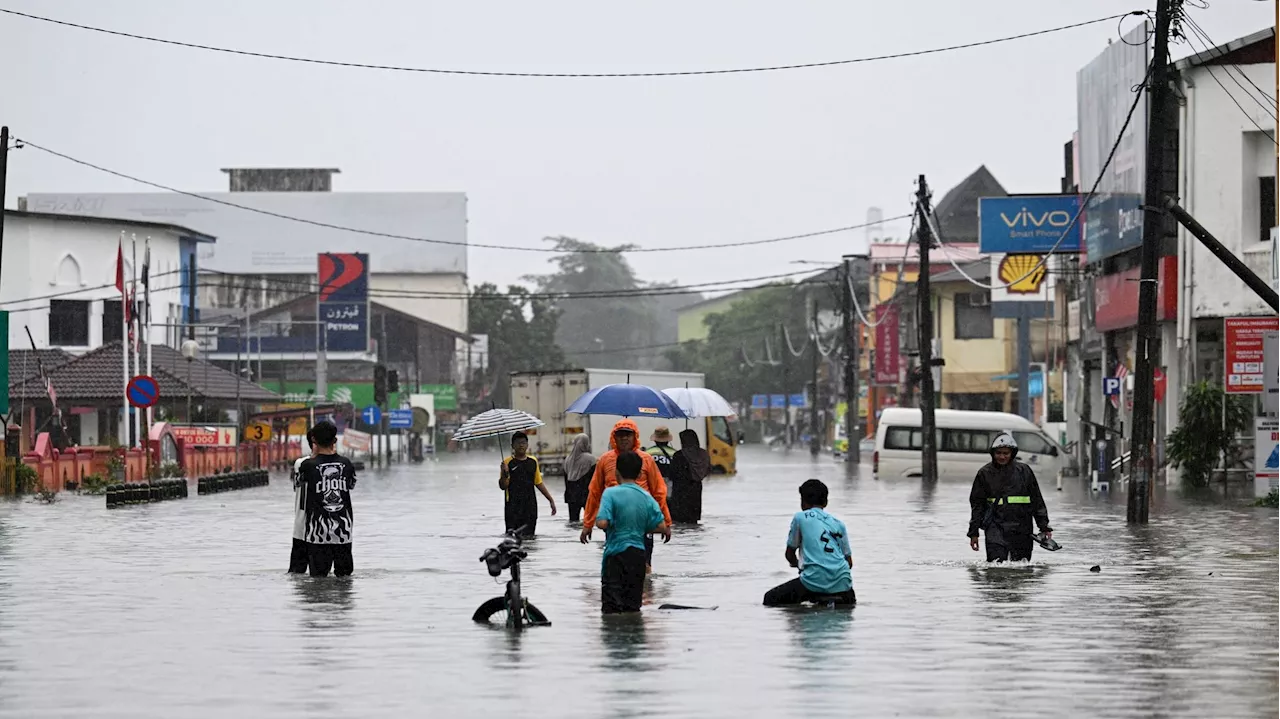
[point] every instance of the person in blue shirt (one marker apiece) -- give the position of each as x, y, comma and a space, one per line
824, 558
627, 513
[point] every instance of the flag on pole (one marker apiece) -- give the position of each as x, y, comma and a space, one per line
146, 282
1121, 373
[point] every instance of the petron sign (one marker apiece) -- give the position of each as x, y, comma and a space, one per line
342, 302
1029, 224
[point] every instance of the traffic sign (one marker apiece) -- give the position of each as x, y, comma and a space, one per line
258, 432
1110, 386
143, 391
400, 418
371, 415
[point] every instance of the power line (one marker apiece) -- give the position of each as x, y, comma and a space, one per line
82, 290
1232, 97
1195, 26
410, 238
484, 73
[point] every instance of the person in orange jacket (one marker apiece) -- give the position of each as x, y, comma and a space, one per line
624, 438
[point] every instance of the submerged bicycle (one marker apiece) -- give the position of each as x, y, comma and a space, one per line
511, 609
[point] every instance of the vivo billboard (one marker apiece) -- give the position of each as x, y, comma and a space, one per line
1104, 93
1031, 224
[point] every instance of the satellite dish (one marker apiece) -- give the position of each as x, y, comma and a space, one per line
421, 420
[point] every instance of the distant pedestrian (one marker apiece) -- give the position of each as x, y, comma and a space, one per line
817, 545
627, 514
578, 469
1004, 501
520, 476
662, 453
298, 556
691, 465
327, 480
623, 439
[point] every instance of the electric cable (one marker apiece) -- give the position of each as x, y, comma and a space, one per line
513, 74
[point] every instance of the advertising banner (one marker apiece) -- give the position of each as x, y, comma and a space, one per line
1244, 342
1104, 94
1115, 297
1029, 224
1027, 276
356, 441
887, 347
1266, 454
343, 300
210, 436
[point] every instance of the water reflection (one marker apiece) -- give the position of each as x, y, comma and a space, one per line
326, 603
1012, 583
625, 641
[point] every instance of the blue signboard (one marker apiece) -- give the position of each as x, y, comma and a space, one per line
1113, 224
1110, 386
759, 401
346, 326
777, 401
1032, 224
371, 415
400, 418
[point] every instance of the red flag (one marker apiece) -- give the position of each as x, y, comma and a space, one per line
120, 268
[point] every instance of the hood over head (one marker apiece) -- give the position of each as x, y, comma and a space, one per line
624, 424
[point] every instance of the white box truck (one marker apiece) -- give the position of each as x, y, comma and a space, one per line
545, 395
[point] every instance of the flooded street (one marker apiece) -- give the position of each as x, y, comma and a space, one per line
183, 608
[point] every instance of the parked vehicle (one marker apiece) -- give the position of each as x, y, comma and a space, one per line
546, 395
964, 442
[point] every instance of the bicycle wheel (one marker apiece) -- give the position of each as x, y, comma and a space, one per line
535, 616
492, 611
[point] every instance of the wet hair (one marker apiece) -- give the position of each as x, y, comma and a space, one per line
813, 493
517, 437
629, 465
324, 434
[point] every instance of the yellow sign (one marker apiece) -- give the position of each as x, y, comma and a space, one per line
1024, 273
258, 432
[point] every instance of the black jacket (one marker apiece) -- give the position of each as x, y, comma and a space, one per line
1008, 499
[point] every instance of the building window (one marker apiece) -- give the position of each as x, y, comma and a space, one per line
1267, 203
973, 316
68, 323
111, 321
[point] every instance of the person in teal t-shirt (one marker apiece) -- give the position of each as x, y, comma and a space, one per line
627, 513
824, 560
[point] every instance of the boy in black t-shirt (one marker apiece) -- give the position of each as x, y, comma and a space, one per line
520, 476
327, 479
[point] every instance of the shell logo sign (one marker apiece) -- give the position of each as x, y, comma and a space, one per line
1025, 274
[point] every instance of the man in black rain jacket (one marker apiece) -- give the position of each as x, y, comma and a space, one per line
1004, 500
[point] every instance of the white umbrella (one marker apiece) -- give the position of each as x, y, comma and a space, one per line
495, 423
700, 402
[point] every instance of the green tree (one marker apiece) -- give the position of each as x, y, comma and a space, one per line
521, 331
1202, 436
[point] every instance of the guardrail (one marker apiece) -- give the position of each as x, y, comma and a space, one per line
231, 481
119, 495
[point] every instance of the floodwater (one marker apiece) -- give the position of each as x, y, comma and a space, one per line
182, 608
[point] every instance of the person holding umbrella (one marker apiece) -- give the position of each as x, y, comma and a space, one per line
520, 476
624, 440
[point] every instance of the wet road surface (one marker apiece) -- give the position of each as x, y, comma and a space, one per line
183, 608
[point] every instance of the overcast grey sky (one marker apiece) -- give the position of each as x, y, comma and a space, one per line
656, 162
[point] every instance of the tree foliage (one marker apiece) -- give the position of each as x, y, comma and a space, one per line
1201, 437
521, 331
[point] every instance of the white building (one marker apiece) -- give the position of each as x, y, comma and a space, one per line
58, 276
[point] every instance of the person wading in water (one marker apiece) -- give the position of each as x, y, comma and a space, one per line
690, 466
621, 440
520, 477
1004, 502
578, 469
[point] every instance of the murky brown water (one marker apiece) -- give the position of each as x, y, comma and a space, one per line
183, 609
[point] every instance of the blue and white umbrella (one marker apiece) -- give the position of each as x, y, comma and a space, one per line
495, 423
627, 400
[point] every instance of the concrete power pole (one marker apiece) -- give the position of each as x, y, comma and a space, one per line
1153, 229
815, 442
924, 300
851, 331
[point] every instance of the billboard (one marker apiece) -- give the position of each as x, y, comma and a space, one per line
887, 347
1104, 93
254, 243
1027, 278
343, 301
1115, 297
1029, 224
1245, 342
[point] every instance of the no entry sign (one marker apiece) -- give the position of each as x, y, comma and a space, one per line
143, 391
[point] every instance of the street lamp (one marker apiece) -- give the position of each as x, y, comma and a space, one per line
190, 348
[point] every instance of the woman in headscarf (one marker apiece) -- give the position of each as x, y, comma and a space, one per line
578, 469
689, 467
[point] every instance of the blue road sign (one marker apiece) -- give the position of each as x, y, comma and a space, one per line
371, 415
143, 391
1111, 386
759, 401
400, 418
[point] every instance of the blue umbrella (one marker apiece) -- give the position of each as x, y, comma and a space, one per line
627, 400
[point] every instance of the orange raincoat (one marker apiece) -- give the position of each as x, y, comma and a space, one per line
650, 479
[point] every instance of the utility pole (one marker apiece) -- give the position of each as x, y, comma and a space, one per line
4, 179
815, 442
1153, 230
929, 440
853, 454
784, 350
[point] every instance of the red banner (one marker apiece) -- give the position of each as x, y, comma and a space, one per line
1243, 339
886, 354
205, 436
1116, 296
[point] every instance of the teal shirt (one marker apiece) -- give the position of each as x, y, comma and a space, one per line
631, 514
823, 544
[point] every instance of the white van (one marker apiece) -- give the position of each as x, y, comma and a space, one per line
964, 442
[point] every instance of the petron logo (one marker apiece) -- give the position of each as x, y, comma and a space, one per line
344, 277
1025, 273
